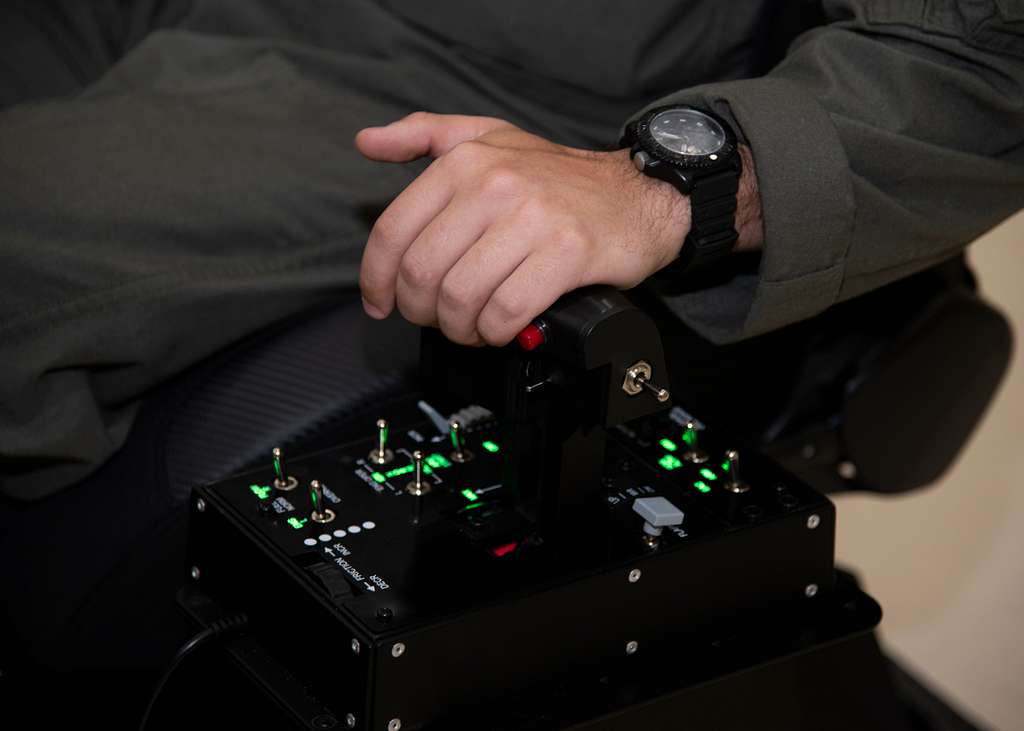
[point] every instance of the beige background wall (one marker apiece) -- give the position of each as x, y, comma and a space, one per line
947, 564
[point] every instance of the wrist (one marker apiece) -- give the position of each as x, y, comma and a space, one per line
749, 220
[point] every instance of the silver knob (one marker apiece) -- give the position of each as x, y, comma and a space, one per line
734, 483
381, 454
693, 454
418, 486
459, 452
316, 495
282, 480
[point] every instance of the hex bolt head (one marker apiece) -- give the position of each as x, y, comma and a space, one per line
398, 649
631, 647
634, 575
194, 573
201, 505
813, 521
350, 720
395, 724
811, 590
356, 647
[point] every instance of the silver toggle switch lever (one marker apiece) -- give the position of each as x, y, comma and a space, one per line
693, 454
282, 480
381, 454
418, 486
459, 452
734, 483
658, 513
638, 379
320, 514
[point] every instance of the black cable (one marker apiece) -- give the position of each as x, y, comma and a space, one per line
217, 627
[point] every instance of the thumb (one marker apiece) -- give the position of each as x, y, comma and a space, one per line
423, 133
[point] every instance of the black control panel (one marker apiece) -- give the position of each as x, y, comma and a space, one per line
541, 513
397, 597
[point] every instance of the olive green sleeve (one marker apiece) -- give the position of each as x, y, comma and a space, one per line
884, 142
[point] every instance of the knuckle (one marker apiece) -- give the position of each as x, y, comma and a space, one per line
416, 273
506, 306
454, 294
501, 181
418, 116
384, 232
494, 335
536, 208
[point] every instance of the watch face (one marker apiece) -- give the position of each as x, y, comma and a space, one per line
687, 132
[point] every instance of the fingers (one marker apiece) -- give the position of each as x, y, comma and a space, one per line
533, 287
435, 251
469, 284
397, 227
423, 133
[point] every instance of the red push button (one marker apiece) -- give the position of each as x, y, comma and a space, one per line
531, 337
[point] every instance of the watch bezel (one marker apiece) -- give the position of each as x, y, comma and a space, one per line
721, 157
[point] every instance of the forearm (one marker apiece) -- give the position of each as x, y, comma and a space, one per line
881, 147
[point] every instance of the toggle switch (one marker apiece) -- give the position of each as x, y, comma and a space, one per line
282, 480
638, 380
734, 483
693, 454
456, 433
381, 454
658, 513
418, 486
320, 514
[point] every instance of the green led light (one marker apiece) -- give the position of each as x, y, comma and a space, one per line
725, 466
437, 461
260, 491
297, 523
378, 477
708, 474
690, 437
668, 444
470, 495
399, 471
702, 486
489, 446
669, 462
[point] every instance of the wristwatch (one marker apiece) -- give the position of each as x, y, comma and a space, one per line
695, 150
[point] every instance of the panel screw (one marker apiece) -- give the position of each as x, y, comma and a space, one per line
385, 614
631, 647
810, 590
847, 470
356, 647
350, 720
634, 575
194, 573
398, 649
395, 724
813, 521
201, 505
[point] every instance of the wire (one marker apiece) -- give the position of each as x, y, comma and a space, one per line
217, 627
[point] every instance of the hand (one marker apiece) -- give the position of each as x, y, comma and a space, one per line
503, 222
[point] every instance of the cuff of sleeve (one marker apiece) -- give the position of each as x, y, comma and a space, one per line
807, 206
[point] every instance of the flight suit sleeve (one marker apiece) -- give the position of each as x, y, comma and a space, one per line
884, 142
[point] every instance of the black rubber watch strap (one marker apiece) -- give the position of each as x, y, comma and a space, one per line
712, 219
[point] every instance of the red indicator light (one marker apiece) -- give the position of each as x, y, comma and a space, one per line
504, 550
531, 337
